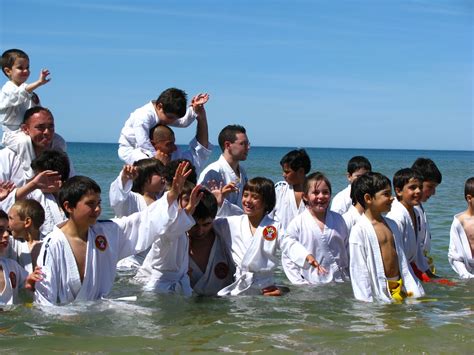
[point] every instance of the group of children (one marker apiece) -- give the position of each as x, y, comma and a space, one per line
186, 227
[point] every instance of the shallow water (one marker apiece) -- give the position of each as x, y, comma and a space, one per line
307, 319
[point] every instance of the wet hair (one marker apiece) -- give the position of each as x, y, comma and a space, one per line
358, 162
52, 159
33, 110
74, 189
315, 177
30, 208
173, 101
297, 159
403, 176
146, 168
229, 134
207, 206
428, 169
171, 170
265, 188
369, 183
3, 215
469, 187
10, 56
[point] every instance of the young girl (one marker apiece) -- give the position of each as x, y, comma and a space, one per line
316, 240
253, 239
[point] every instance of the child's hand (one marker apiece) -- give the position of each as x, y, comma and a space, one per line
180, 176
196, 195
163, 157
219, 191
198, 102
5, 188
48, 180
44, 77
312, 261
129, 172
31, 279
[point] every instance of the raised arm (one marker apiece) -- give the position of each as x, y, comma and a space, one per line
202, 131
43, 79
45, 180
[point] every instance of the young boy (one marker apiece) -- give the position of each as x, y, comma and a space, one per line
168, 109
356, 167
378, 266
296, 164
79, 258
461, 242
3, 227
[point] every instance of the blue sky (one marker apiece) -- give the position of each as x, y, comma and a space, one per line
299, 73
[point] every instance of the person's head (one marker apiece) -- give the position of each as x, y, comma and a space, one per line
171, 170
295, 165
469, 192
16, 65
258, 197
233, 140
171, 105
150, 176
357, 166
38, 123
317, 192
163, 139
3, 223
24, 216
431, 176
408, 184
373, 189
79, 197
52, 159
204, 215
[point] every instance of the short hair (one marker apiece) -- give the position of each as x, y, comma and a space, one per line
315, 177
358, 162
469, 187
3, 215
207, 206
30, 208
265, 188
74, 189
10, 56
159, 126
369, 183
33, 110
403, 176
173, 101
146, 168
428, 169
52, 159
229, 134
171, 170
296, 159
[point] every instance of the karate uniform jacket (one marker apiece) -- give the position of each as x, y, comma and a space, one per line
15, 277
285, 207
342, 201
459, 254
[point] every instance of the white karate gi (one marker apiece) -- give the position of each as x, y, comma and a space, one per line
221, 172
19, 251
134, 140
424, 234
255, 256
11, 168
285, 207
15, 277
342, 201
108, 242
351, 217
329, 247
219, 271
459, 254
368, 278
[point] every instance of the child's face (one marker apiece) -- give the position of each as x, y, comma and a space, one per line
4, 239
201, 229
156, 184
382, 201
429, 189
87, 210
410, 195
184, 200
291, 176
253, 204
4, 228
359, 172
20, 71
318, 196
165, 118
16, 225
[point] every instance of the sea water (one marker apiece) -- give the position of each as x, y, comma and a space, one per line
320, 319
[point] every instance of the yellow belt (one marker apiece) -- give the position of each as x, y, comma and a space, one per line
396, 290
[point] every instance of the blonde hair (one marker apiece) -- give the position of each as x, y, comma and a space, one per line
30, 209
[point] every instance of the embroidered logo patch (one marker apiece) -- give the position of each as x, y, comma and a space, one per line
101, 242
13, 279
221, 270
270, 233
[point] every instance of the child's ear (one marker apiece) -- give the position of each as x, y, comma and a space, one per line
367, 199
28, 222
8, 72
398, 191
67, 207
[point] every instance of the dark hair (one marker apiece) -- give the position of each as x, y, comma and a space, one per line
428, 169
358, 162
146, 168
316, 176
52, 159
3, 215
159, 126
33, 110
229, 134
9, 57
30, 208
469, 187
403, 176
265, 188
74, 189
171, 170
207, 206
173, 101
296, 159
369, 183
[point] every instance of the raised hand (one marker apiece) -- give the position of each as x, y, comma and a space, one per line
44, 77
129, 172
5, 188
196, 195
219, 191
198, 102
180, 176
47, 181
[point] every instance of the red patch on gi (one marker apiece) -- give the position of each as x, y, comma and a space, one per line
13, 279
270, 233
101, 242
221, 270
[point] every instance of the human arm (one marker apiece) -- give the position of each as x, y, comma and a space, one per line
45, 180
43, 79
6, 187
202, 132
360, 277
121, 198
35, 276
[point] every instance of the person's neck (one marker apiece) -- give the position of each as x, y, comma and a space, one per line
234, 164
373, 215
150, 197
407, 206
32, 236
74, 230
202, 241
255, 220
470, 211
298, 187
319, 215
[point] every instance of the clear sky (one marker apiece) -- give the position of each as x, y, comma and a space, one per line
296, 73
